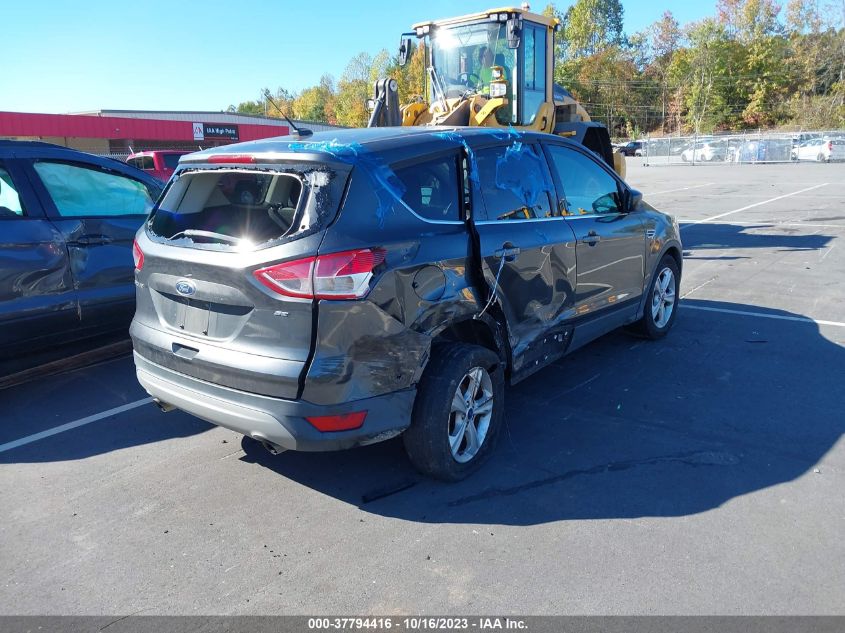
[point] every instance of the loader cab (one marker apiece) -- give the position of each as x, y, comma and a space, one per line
503, 54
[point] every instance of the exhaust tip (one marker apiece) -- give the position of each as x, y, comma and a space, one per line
164, 406
273, 449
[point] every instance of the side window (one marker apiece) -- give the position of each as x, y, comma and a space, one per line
10, 202
79, 191
535, 72
588, 188
431, 188
514, 182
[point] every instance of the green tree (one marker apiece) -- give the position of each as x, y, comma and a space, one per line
316, 103
589, 26
353, 90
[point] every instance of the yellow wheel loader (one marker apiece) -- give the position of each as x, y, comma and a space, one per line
492, 69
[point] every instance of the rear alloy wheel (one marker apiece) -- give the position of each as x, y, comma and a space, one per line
661, 305
820, 158
457, 412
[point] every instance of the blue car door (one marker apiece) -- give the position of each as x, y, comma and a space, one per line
38, 302
98, 209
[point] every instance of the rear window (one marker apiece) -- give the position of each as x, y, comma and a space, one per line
236, 210
142, 162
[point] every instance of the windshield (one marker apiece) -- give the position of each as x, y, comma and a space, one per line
464, 57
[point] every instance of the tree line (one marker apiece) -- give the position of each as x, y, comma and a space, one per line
754, 64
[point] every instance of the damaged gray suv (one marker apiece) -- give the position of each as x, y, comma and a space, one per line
389, 281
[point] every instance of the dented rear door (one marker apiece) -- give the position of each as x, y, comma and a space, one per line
527, 251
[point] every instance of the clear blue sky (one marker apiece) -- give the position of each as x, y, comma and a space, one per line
64, 56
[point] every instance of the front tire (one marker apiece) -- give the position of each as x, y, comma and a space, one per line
457, 413
661, 306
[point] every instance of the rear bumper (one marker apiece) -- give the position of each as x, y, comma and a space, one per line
276, 420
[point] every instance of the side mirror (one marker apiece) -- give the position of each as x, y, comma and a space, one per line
634, 198
514, 26
405, 45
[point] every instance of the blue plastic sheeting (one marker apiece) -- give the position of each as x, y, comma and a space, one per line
386, 185
460, 140
521, 171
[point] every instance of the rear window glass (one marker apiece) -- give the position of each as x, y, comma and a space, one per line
237, 209
142, 162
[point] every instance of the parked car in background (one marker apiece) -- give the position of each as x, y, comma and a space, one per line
632, 148
822, 150
389, 281
159, 163
67, 221
706, 151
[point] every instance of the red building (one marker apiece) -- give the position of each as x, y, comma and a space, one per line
120, 132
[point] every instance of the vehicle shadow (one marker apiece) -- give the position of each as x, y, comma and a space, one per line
718, 236
725, 406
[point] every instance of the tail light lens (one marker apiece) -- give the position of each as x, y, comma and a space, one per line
344, 275
830, 146
137, 255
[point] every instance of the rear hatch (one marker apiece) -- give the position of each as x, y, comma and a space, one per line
204, 307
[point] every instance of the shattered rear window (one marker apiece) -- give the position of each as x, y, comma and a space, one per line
230, 209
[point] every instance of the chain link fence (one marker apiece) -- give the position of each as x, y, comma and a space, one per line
748, 148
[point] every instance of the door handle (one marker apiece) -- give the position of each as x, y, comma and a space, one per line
592, 238
89, 240
508, 251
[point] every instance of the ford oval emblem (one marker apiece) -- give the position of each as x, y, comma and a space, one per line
185, 287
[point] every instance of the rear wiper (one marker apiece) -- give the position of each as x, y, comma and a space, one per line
220, 237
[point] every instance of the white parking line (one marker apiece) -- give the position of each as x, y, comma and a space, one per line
763, 315
657, 193
751, 206
72, 425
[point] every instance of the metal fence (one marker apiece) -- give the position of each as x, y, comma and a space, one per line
748, 148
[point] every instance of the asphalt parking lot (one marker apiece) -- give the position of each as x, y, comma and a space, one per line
701, 474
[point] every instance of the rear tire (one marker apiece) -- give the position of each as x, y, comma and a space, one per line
661, 303
820, 158
457, 413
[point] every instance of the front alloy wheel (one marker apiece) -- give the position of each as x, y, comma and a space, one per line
663, 298
661, 301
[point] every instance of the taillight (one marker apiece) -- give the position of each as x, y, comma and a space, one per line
344, 275
137, 255
343, 422
830, 146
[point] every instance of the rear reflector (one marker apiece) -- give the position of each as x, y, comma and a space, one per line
231, 158
344, 422
137, 255
344, 275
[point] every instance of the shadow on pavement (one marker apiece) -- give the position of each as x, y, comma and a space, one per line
725, 406
715, 236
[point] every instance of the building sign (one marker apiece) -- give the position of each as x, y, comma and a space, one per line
217, 130
203, 131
